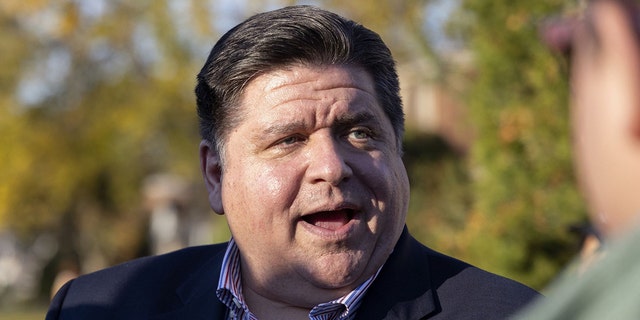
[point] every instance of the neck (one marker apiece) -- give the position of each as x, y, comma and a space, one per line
285, 290
265, 308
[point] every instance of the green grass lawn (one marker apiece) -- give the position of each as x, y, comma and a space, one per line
34, 314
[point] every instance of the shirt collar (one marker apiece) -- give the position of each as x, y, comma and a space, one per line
229, 292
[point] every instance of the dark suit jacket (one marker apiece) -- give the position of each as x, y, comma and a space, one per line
415, 283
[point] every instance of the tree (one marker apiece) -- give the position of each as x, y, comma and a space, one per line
98, 96
94, 100
524, 191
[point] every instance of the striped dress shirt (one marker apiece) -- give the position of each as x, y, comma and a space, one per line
229, 292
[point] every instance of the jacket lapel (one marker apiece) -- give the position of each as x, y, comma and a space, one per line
198, 294
401, 291
403, 288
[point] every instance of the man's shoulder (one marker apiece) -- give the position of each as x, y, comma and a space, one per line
152, 268
606, 290
140, 287
444, 267
417, 281
466, 289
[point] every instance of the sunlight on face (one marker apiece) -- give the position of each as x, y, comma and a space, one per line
314, 188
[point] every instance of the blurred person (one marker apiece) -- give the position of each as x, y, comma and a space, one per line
302, 128
605, 109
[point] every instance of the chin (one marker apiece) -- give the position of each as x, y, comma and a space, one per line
337, 272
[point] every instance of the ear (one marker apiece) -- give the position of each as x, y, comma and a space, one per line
212, 173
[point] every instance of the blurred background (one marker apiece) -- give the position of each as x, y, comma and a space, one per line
99, 136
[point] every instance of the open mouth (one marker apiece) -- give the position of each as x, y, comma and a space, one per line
331, 220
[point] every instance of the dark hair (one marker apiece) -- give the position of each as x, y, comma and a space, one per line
281, 38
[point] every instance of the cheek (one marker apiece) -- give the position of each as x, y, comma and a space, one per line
596, 149
275, 185
391, 189
260, 186
390, 185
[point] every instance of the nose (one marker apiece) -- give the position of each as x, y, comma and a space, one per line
327, 162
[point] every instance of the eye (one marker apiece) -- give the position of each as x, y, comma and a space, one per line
360, 134
290, 140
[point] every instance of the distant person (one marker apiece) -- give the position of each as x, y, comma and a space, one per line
302, 128
605, 84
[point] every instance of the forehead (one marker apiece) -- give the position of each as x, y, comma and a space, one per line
301, 85
305, 78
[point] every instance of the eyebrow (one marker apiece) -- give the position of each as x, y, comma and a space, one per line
349, 120
280, 128
344, 121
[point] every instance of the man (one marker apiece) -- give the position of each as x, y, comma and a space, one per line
605, 107
302, 129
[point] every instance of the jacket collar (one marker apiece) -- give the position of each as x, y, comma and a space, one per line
198, 293
401, 291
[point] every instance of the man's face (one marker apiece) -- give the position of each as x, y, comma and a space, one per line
314, 188
605, 101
